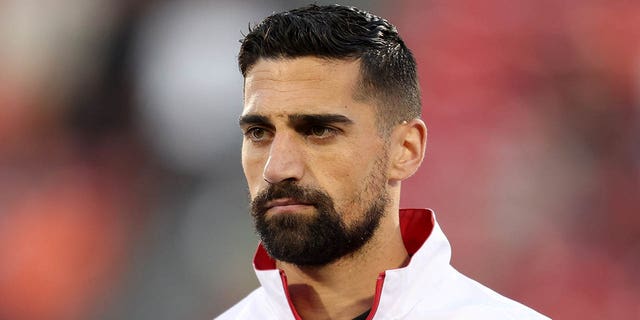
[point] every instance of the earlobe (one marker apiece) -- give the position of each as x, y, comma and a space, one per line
409, 141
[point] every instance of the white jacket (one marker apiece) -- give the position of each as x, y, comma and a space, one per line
428, 288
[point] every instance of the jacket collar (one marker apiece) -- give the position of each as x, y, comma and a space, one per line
398, 289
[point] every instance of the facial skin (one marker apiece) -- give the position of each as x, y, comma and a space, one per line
315, 162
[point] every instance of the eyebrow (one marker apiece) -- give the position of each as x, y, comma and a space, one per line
319, 118
257, 119
250, 119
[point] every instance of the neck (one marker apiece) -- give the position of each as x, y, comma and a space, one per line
345, 289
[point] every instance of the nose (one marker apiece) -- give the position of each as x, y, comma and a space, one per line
286, 160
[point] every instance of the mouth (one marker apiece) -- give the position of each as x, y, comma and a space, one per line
286, 205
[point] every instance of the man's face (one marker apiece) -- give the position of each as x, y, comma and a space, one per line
315, 163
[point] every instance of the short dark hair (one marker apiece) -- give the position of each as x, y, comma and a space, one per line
387, 67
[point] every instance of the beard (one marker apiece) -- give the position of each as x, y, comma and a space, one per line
321, 237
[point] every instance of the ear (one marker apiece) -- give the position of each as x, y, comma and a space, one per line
408, 145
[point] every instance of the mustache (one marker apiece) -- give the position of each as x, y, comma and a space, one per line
291, 190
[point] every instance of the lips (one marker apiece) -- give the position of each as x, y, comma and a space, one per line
288, 197
284, 205
284, 202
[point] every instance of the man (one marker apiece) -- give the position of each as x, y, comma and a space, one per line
331, 124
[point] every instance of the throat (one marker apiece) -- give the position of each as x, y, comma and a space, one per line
336, 291
320, 303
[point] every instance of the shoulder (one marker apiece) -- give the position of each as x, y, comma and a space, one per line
485, 303
247, 307
478, 312
466, 298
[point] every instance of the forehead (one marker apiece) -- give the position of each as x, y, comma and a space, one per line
301, 84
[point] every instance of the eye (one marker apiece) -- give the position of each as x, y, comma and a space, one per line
321, 132
257, 134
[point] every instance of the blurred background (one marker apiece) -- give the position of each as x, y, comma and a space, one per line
122, 195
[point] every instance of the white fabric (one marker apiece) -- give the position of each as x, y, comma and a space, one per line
428, 288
